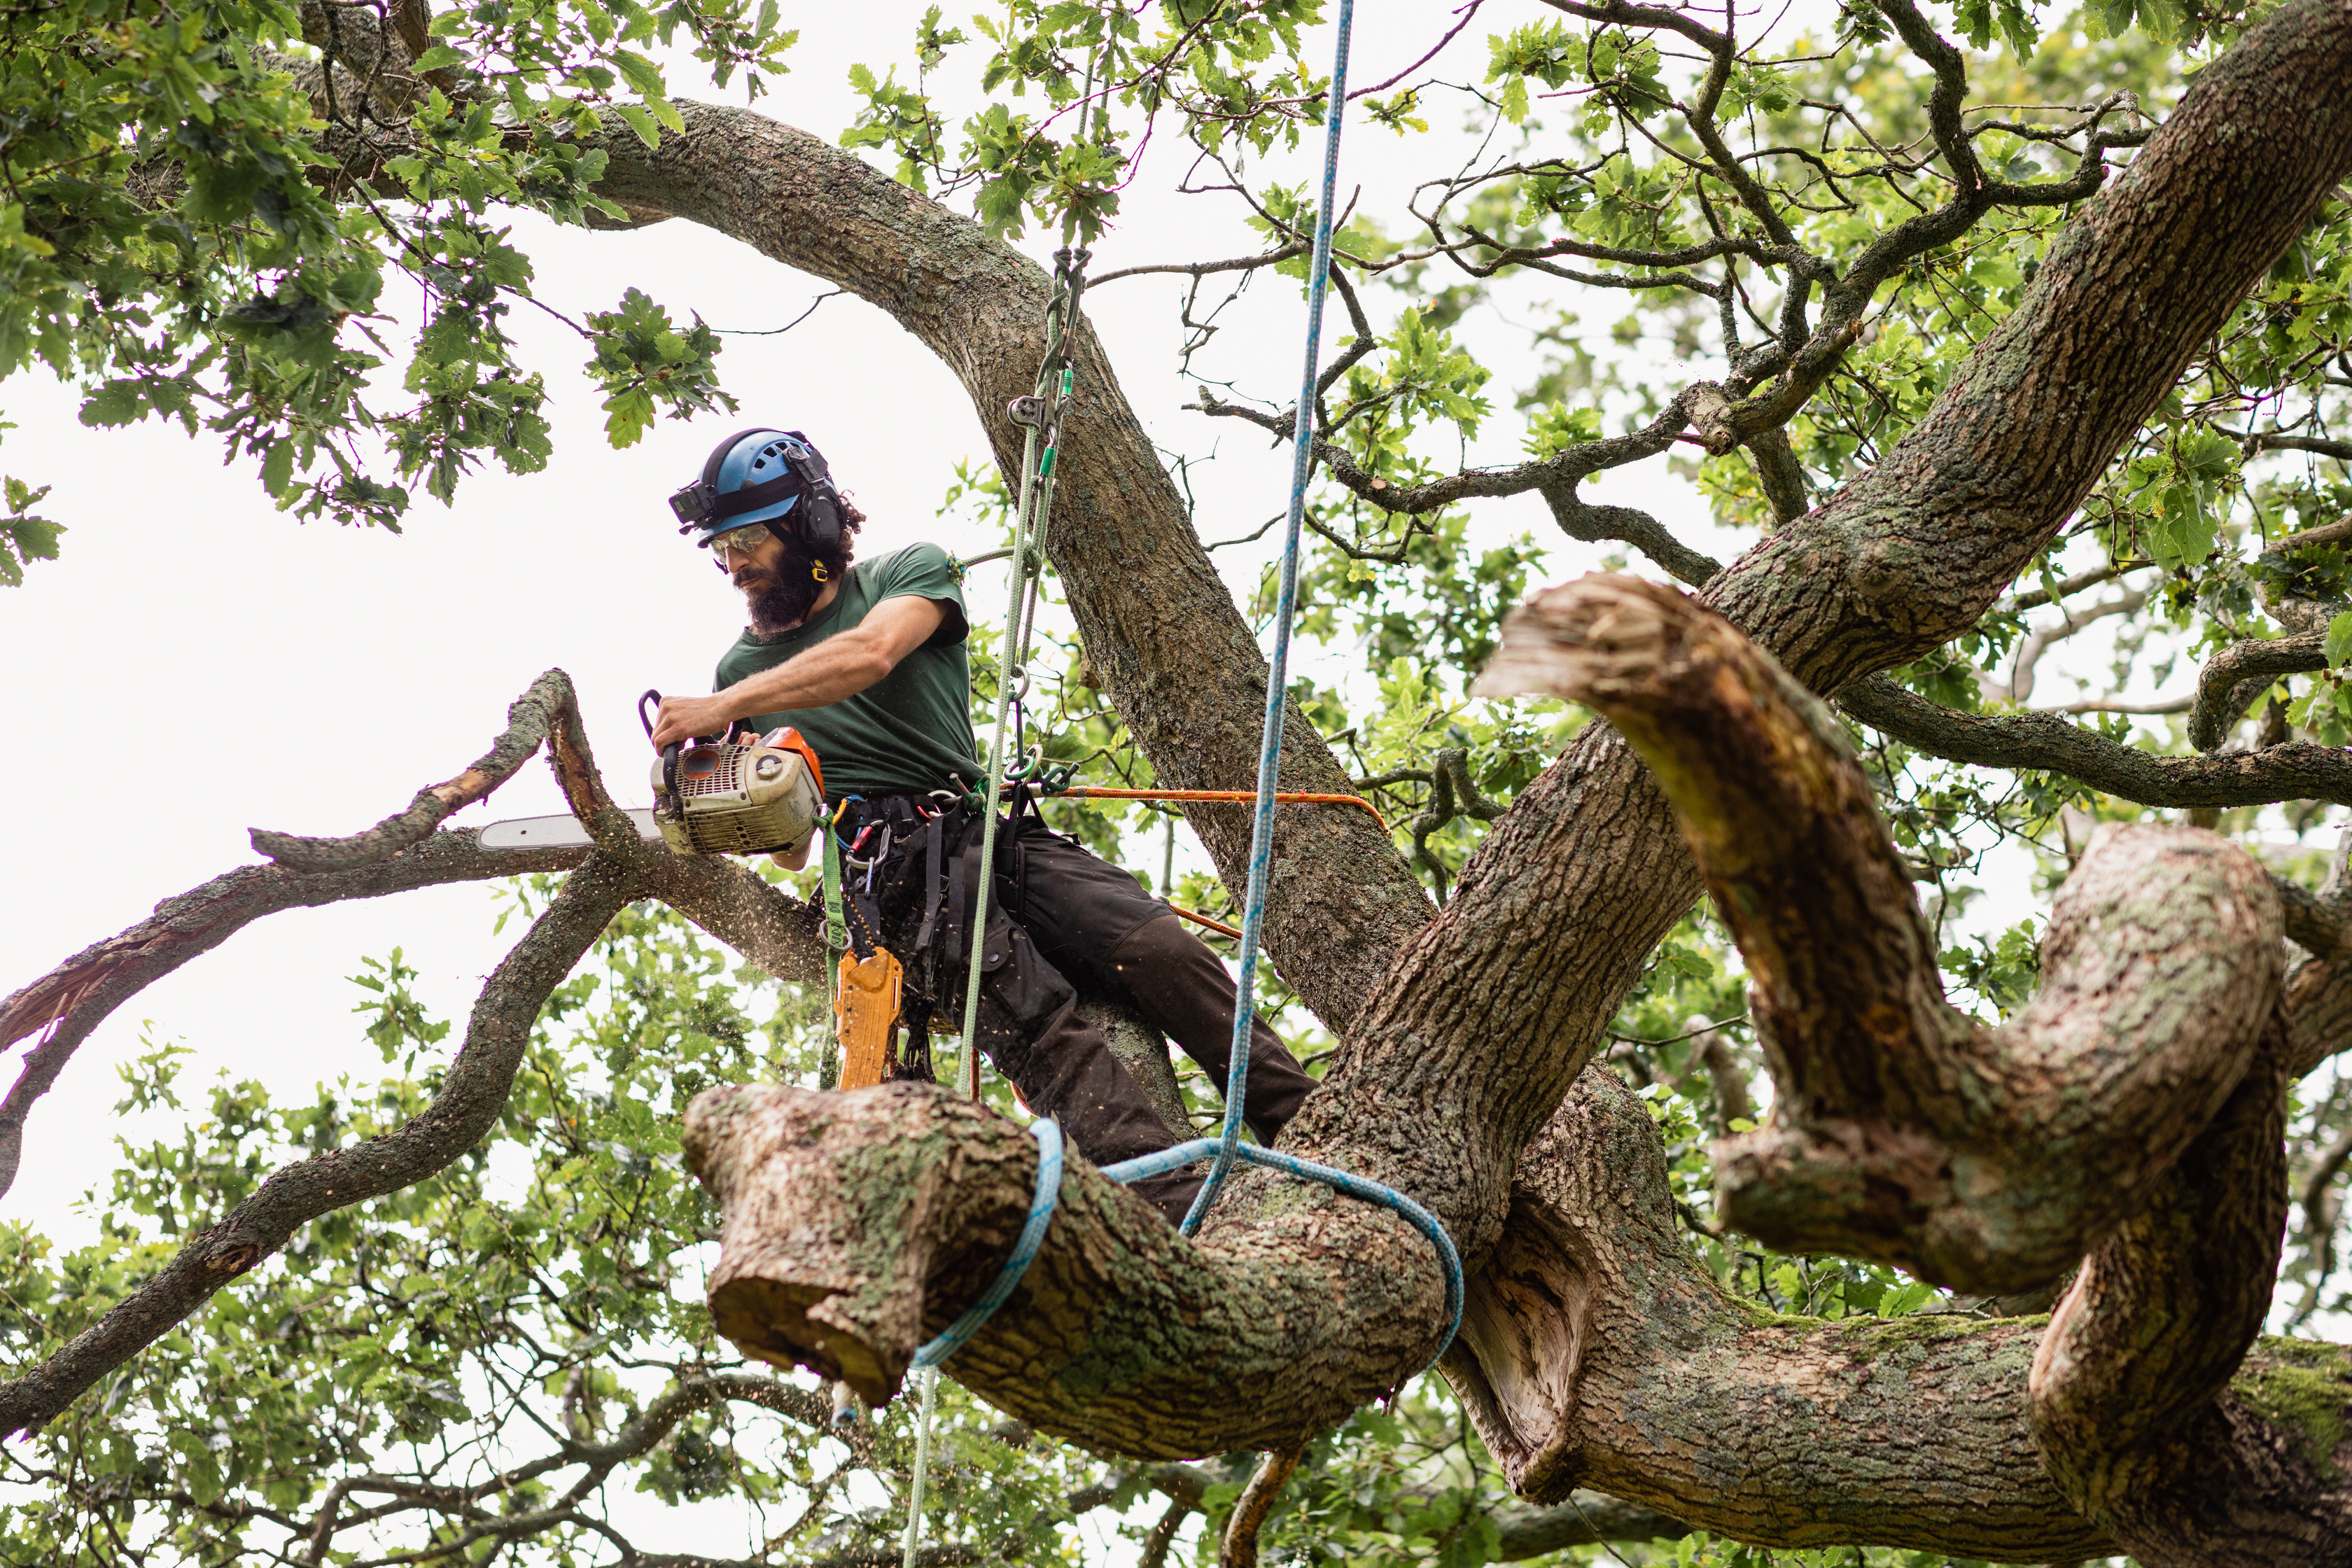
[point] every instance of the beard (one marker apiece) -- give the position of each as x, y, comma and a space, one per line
782, 599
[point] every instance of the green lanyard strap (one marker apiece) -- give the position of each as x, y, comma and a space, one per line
837, 942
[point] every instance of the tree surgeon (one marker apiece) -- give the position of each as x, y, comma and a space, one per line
867, 660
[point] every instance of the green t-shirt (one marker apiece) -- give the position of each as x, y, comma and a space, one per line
908, 731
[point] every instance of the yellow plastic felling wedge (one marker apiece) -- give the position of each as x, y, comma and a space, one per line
866, 1006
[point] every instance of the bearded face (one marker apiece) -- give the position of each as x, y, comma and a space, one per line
783, 593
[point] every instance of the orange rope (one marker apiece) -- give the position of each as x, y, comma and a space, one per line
1286, 798
1202, 920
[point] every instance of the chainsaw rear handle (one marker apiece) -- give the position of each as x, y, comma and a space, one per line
670, 753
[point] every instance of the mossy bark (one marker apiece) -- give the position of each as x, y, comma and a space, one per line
1461, 1034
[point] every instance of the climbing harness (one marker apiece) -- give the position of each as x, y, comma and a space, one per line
1042, 414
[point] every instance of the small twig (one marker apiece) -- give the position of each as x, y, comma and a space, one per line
1678, 1040
788, 326
1249, 538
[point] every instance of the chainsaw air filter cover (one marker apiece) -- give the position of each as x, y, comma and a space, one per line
738, 800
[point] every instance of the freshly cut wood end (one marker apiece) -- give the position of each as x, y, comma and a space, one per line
1602, 636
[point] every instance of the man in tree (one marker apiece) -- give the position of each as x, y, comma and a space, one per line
867, 661
1952, 383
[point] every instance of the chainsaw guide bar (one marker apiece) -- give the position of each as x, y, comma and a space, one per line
557, 832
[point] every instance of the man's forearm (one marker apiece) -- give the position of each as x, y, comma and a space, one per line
834, 669
837, 668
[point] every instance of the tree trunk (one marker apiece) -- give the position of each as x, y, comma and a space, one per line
1298, 1304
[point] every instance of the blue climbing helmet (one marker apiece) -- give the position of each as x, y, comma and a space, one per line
763, 476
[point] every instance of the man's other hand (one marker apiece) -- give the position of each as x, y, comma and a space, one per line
681, 718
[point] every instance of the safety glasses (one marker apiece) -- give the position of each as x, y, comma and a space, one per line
740, 541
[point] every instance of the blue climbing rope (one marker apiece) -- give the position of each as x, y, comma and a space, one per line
1278, 677
1128, 1172
1226, 1149
1024, 1250
1025, 1246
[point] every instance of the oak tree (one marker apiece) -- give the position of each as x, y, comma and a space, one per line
1963, 334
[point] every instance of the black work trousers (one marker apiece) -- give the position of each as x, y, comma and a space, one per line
1064, 921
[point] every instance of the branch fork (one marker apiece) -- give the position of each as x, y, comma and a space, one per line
1986, 1159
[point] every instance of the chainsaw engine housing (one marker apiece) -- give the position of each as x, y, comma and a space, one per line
738, 800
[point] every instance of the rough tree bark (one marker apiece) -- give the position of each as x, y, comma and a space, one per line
1475, 1035
2134, 1111
1463, 1036
1987, 1160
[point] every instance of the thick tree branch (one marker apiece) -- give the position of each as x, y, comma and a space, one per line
1594, 525
1986, 1160
65, 1004
2047, 742
2234, 677
2129, 1384
1598, 1352
549, 712
858, 1224
2340, 450
740, 908
1471, 1040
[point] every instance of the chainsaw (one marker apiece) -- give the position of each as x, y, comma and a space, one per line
755, 796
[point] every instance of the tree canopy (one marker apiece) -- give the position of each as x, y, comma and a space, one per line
2009, 348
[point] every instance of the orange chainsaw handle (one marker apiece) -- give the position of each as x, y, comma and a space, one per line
787, 739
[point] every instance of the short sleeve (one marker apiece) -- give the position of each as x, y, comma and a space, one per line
925, 572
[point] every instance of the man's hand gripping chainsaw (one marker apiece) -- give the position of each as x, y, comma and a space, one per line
760, 797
